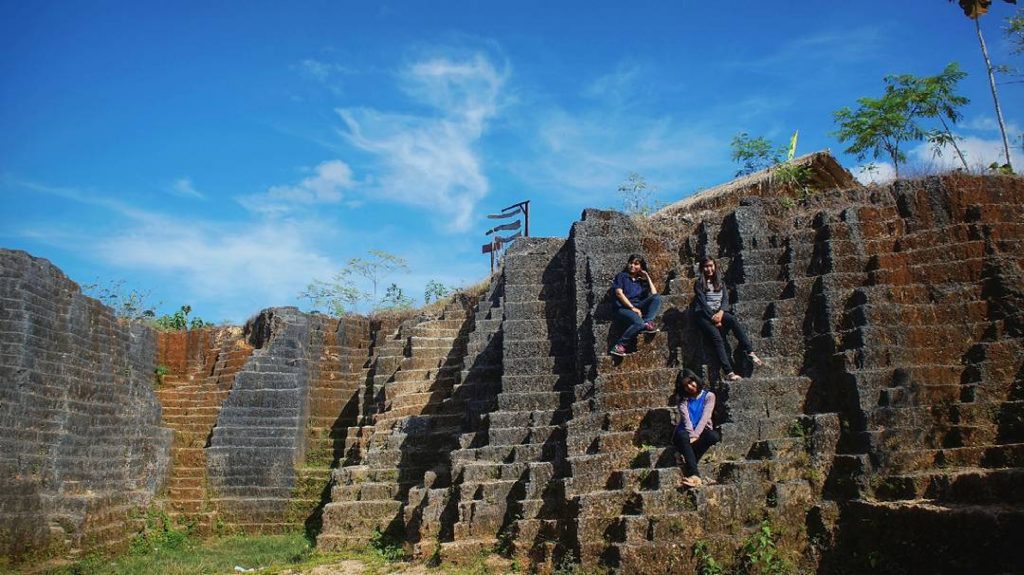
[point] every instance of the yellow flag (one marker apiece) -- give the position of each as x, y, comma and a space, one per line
792, 146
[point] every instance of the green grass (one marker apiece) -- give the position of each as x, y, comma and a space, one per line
187, 556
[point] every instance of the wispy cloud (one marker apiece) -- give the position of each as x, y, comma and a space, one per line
322, 71
586, 152
432, 160
185, 188
836, 47
251, 263
622, 86
267, 262
87, 197
327, 185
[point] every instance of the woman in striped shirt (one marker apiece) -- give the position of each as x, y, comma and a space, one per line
711, 311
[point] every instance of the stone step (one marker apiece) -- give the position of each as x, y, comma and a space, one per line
529, 435
985, 456
526, 418
534, 401
971, 486
893, 438
555, 294
539, 365
520, 453
987, 535
536, 383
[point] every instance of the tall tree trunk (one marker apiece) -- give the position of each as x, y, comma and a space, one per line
952, 140
995, 97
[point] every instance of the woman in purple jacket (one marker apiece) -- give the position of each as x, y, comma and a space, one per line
695, 433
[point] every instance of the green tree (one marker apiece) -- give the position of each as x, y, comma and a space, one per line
395, 299
435, 291
636, 195
882, 126
754, 154
335, 296
380, 265
1015, 31
127, 303
975, 9
179, 320
339, 295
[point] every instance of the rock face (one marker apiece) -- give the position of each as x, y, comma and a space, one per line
199, 368
885, 432
887, 417
82, 442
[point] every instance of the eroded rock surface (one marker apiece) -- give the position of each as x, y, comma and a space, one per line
884, 433
83, 447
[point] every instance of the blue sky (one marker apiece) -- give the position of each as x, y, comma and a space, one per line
224, 154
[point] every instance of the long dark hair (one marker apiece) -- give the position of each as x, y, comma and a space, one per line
716, 278
685, 374
635, 258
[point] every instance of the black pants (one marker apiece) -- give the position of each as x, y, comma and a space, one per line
692, 452
717, 336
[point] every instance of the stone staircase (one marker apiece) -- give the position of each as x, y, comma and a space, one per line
632, 514
419, 417
258, 440
202, 365
337, 380
508, 477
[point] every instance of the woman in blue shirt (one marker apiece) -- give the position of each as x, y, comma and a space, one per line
695, 432
636, 302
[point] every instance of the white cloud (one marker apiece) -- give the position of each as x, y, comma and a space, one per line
267, 262
432, 160
184, 187
326, 186
979, 153
982, 123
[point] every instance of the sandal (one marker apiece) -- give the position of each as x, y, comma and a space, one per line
691, 481
732, 376
753, 357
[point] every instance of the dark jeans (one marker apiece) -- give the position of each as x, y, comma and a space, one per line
649, 306
717, 336
692, 452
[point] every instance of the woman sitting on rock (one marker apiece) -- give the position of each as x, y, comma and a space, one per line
636, 300
694, 434
711, 312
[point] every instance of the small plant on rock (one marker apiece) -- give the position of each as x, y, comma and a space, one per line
706, 563
387, 546
759, 555
160, 372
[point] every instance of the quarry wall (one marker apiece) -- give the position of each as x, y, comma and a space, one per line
885, 431
83, 445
